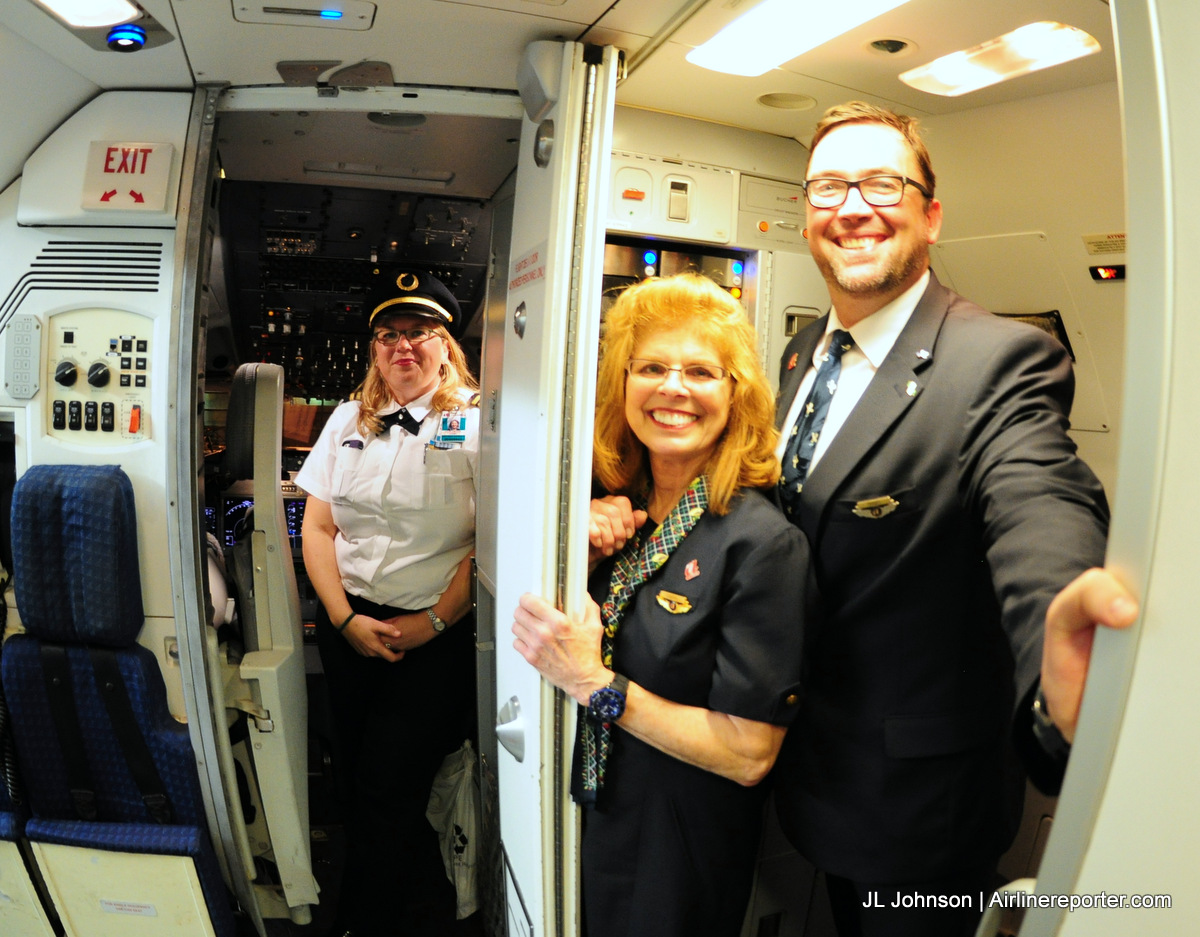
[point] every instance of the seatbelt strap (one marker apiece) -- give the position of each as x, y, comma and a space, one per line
111, 685
56, 672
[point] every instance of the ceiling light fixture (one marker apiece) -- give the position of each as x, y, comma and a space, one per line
1028, 49
127, 38
776, 31
786, 101
88, 13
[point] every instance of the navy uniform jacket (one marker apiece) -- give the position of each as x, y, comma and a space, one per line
670, 850
899, 765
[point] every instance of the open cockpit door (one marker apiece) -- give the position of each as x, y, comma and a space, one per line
537, 471
246, 705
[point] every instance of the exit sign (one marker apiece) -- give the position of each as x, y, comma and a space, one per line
124, 176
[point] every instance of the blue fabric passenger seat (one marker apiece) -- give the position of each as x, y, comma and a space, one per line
105, 766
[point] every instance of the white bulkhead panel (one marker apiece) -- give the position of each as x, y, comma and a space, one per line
771, 214
115, 163
672, 198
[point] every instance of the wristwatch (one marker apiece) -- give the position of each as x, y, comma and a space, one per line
1046, 732
608, 703
438, 625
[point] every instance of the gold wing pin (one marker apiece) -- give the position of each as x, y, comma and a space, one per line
875, 507
673, 602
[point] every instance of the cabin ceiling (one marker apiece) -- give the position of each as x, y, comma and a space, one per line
478, 44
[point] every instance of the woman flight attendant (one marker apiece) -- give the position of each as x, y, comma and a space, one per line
389, 530
686, 664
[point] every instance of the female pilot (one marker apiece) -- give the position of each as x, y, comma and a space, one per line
389, 530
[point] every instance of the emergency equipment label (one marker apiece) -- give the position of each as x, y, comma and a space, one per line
1113, 243
527, 269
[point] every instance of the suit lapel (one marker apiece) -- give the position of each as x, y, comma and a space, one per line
797, 361
896, 384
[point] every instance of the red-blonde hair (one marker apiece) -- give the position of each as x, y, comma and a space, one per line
745, 454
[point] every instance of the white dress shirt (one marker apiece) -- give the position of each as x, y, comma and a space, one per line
873, 337
404, 505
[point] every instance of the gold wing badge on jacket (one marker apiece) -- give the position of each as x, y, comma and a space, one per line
873, 508
673, 602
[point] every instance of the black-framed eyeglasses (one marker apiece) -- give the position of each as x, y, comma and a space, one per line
415, 336
877, 191
655, 372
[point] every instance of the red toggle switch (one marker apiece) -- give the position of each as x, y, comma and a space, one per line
135, 419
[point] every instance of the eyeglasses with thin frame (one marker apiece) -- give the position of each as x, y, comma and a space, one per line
649, 371
877, 191
415, 336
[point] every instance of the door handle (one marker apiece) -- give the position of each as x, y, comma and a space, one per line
510, 728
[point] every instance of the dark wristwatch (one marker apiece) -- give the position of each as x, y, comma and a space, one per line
1046, 732
608, 703
438, 625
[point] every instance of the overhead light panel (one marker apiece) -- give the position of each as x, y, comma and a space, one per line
1028, 49
336, 14
776, 31
89, 13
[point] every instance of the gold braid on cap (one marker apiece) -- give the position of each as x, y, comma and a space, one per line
418, 300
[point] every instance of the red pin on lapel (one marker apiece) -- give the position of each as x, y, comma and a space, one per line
792, 360
692, 570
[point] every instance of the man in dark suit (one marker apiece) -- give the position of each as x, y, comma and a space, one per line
945, 506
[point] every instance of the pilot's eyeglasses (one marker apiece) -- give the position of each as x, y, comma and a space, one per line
655, 372
877, 191
390, 337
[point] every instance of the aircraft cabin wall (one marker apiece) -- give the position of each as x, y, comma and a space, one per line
1027, 189
30, 75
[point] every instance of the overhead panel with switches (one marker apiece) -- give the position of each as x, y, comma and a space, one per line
673, 198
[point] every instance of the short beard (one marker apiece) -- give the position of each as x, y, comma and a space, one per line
882, 282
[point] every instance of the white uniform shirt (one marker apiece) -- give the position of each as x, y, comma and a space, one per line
404, 506
873, 337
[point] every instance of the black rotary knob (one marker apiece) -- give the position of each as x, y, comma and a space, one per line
66, 373
99, 374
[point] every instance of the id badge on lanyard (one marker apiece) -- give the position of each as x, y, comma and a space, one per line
451, 432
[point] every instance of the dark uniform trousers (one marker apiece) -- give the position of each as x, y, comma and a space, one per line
395, 723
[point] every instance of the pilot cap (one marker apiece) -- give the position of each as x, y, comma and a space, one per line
408, 291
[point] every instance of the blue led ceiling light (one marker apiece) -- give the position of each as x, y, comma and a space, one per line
650, 257
737, 268
331, 14
126, 38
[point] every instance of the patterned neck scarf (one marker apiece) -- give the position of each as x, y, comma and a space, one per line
636, 563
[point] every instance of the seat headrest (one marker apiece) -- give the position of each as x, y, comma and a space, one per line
75, 555
239, 423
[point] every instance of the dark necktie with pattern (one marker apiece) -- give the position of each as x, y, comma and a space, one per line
401, 418
797, 457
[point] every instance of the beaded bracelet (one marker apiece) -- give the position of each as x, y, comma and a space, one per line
349, 618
